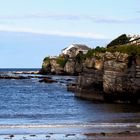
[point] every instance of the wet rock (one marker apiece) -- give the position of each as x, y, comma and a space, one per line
11, 136
71, 87
47, 80
32, 135
103, 134
68, 135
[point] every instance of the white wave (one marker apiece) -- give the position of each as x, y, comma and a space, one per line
138, 125
94, 125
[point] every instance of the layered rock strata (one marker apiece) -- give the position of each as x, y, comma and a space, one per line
115, 77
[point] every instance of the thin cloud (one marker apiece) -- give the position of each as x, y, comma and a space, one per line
58, 33
68, 17
41, 16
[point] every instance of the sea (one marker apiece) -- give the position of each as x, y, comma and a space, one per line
30, 107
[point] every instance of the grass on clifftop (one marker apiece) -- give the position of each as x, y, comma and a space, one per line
93, 52
128, 49
46, 59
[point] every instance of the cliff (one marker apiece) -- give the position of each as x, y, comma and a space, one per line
104, 74
62, 65
116, 76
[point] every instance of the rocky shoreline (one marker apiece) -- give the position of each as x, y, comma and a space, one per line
104, 74
82, 136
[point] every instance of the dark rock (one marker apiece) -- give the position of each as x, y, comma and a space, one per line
47, 80
103, 134
32, 135
67, 135
11, 136
71, 87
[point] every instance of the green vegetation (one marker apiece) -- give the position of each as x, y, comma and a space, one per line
100, 49
79, 57
95, 52
46, 62
62, 61
117, 45
46, 59
123, 39
129, 49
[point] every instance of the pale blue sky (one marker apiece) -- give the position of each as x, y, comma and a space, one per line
71, 20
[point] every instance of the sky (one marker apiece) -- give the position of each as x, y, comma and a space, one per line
33, 29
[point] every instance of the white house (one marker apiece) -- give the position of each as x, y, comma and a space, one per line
134, 39
74, 49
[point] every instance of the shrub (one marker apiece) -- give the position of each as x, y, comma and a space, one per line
100, 49
129, 49
46, 59
62, 61
94, 52
79, 57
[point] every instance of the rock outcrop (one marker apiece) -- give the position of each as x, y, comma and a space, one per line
104, 74
115, 77
70, 67
119, 77
55, 67
62, 66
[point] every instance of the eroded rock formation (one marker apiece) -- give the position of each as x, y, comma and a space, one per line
115, 77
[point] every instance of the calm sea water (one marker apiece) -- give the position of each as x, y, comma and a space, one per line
29, 104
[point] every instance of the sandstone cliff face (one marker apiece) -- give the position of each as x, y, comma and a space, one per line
55, 67
90, 81
46, 68
120, 77
68, 66
106, 76
115, 68
116, 76
51, 66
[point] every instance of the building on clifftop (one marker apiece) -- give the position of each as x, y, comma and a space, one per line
74, 49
